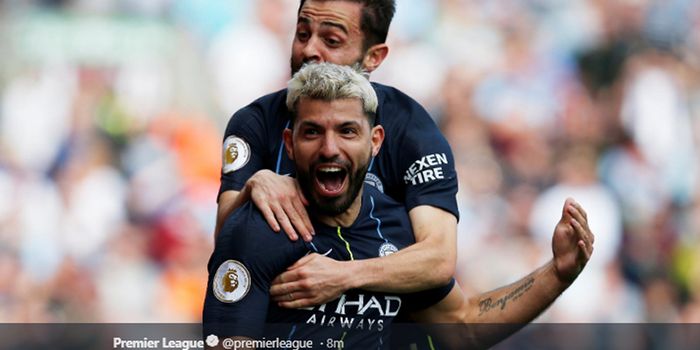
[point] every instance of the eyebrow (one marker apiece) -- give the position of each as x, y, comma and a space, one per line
304, 20
350, 123
335, 25
306, 123
311, 124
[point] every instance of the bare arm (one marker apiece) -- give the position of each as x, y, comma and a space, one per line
517, 304
490, 317
429, 263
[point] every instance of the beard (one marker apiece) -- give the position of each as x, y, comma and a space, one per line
332, 206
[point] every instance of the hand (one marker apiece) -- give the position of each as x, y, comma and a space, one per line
572, 242
281, 202
313, 280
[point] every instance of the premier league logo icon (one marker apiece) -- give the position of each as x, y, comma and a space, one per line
231, 282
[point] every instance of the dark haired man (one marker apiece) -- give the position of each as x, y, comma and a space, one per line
415, 166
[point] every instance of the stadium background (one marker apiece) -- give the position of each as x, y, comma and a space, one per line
112, 115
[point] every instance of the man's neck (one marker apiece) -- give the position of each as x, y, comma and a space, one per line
346, 218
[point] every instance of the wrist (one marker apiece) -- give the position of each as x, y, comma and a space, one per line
563, 282
253, 179
354, 274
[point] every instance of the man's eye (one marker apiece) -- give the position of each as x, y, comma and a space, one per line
348, 131
332, 42
310, 132
302, 35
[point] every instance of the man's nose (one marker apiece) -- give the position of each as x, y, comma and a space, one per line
311, 50
329, 147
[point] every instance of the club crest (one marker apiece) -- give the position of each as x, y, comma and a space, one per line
374, 181
387, 249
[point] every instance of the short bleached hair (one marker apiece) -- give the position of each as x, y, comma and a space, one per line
328, 82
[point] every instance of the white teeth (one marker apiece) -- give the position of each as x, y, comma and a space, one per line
330, 169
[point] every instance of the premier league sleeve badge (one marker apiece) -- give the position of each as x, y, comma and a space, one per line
236, 154
231, 282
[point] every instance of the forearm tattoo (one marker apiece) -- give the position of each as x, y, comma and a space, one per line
486, 305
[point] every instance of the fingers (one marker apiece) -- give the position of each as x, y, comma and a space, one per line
575, 213
299, 303
292, 296
580, 209
300, 219
289, 214
281, 290
283, 220
580, 215
294, 220
586, 250
269, 217
291, 280
282, 203
584, 222
285, 282
580, 231
585, 240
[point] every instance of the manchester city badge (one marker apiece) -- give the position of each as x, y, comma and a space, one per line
387, 249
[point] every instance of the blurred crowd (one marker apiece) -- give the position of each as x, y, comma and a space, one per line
112, 115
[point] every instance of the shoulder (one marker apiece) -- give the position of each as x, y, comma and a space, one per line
263, 109
401, 112
391, 92
378, 204
275, 99
393, 97
379, 198
246, 229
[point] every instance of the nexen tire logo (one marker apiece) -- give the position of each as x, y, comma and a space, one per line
426, 169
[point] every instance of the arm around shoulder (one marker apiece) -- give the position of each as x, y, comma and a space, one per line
428, 263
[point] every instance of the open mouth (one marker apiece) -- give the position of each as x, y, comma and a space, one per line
330, 180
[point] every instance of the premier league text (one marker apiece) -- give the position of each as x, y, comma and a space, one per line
163, 343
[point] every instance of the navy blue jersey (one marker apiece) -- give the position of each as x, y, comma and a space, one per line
248, 255
414, 166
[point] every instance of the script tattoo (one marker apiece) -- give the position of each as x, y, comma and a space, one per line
488, 304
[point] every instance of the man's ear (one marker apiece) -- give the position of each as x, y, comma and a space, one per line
374, 56
288, 142
377, 139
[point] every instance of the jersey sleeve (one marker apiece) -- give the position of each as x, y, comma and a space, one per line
425, 162
241, 270
243, 148
420, 300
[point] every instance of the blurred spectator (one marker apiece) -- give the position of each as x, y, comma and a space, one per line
36, 103
577, 178
661, 127
251, 58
